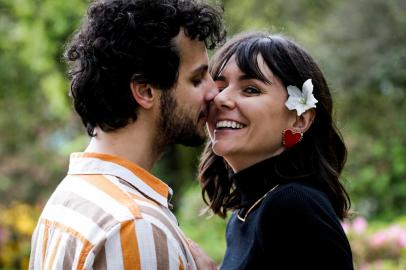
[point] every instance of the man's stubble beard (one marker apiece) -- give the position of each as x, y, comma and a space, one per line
176, 125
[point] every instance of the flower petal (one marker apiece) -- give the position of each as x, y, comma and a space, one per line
311, 101
308, 91
292, 102
300, 108
307, 87
301, 100
293, 91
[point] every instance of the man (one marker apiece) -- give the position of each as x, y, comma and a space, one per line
139, 82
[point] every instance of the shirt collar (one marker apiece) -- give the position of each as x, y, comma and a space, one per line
253, 182
141, 179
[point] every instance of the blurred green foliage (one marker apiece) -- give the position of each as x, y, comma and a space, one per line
36, 119
359, 44
207, 230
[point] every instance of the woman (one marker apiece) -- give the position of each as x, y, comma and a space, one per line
274, 158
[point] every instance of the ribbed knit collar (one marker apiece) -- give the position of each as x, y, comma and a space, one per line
254, 181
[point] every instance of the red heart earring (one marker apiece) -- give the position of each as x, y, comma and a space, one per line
291, 137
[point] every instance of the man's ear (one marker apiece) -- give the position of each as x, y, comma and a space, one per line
143, 94
304, 121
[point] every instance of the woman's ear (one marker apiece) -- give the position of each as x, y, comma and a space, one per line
143, 94
304, 121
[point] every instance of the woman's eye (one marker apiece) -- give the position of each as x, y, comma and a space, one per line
220, 86
252, 90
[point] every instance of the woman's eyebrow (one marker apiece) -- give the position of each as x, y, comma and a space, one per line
246, 77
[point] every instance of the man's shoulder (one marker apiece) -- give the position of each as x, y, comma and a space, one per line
88, 205
87, 212
103, 202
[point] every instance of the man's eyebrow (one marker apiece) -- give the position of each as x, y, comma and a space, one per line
200, 69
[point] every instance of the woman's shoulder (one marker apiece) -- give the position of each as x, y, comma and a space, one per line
297, 197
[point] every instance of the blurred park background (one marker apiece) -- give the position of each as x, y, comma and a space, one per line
360, 45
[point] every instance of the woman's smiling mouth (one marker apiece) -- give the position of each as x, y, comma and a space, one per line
226, 124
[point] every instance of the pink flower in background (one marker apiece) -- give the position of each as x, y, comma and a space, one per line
359, 225
379, 239
398, 235
402, 239
395, 235
346, 226
373, 248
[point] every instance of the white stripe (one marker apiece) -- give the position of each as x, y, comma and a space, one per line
114, 255
169, 219
36, 260
45, 232
181, 236
172, 223
168, 233
58, 263
174, 257
89, 261
88, 165
79, 247
83, 225
146, 245
163, 210
125, 187
51, 248
171, 216
85, 190
133, 190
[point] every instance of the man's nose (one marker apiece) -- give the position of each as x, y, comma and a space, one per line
212, 90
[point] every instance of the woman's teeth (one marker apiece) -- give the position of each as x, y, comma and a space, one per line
229, 124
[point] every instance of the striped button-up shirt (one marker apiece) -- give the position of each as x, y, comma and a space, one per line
108, 213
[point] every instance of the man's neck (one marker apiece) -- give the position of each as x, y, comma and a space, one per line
133, 142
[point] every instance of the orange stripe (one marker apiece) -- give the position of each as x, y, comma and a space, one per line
87, 246
65, 229
102, 183
145, 176
181, 267
52, 260
129, 246
44, 245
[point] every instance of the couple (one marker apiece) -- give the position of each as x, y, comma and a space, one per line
140, 81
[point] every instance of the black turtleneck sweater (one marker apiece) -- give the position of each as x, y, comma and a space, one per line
293, 227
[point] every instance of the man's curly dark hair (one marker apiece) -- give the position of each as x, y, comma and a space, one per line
131, 40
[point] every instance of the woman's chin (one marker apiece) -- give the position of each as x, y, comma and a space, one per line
218, 149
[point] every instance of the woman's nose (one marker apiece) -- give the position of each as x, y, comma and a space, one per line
224, 99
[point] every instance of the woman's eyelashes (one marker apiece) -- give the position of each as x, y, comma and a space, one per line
251, 90
220, 85
247, 90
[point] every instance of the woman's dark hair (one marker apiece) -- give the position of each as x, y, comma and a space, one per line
321, 153
121, 41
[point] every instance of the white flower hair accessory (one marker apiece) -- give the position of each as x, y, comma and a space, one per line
303, 100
